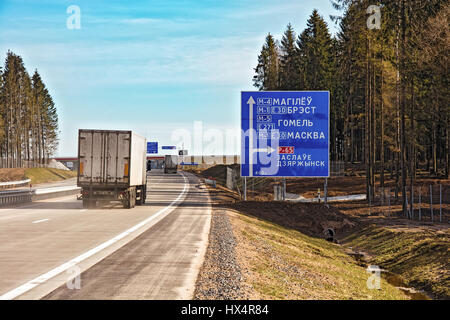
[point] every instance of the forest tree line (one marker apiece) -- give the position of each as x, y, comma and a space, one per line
28, 118
388, 86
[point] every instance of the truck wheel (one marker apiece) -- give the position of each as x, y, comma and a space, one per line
127, 201
131, 199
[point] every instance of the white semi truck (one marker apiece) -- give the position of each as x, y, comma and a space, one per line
170, 164
112, 167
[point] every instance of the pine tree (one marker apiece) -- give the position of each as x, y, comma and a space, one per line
315, 55
288, 60
38, 94
50, 125
2, 121
389, 96
14, 77
388, 71
46, 118
316, 59
28, 117
350, 71
267, 70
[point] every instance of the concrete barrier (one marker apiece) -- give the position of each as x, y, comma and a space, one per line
55, 192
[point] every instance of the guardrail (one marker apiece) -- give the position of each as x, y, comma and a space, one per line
11, 184
53, 192
13, 197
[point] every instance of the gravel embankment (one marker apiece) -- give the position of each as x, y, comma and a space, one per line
220, 276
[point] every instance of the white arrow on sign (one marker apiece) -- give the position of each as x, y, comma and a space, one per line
267, 150
250, 103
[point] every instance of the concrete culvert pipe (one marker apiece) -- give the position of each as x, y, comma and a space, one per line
329, 234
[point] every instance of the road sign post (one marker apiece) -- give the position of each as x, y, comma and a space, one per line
285, 134
245, 188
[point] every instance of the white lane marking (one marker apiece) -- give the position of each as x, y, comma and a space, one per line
42, 220
54, 272
83, 210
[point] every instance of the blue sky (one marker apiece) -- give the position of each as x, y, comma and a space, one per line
149, 66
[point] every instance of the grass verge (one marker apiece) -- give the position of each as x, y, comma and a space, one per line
282, 263
420, 256
42, 175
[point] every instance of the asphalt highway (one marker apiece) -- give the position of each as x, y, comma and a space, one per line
55, 249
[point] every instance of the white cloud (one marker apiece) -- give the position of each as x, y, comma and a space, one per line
187, 60
140, 21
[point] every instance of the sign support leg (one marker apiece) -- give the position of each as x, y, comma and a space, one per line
440, 202
245, 188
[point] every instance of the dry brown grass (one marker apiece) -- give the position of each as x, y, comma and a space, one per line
12, 174
281, 263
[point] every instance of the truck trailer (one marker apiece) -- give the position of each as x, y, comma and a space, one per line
112, 167
170, 164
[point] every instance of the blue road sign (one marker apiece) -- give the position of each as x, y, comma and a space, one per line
189, 164
152, 147
168, 147
285, 133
